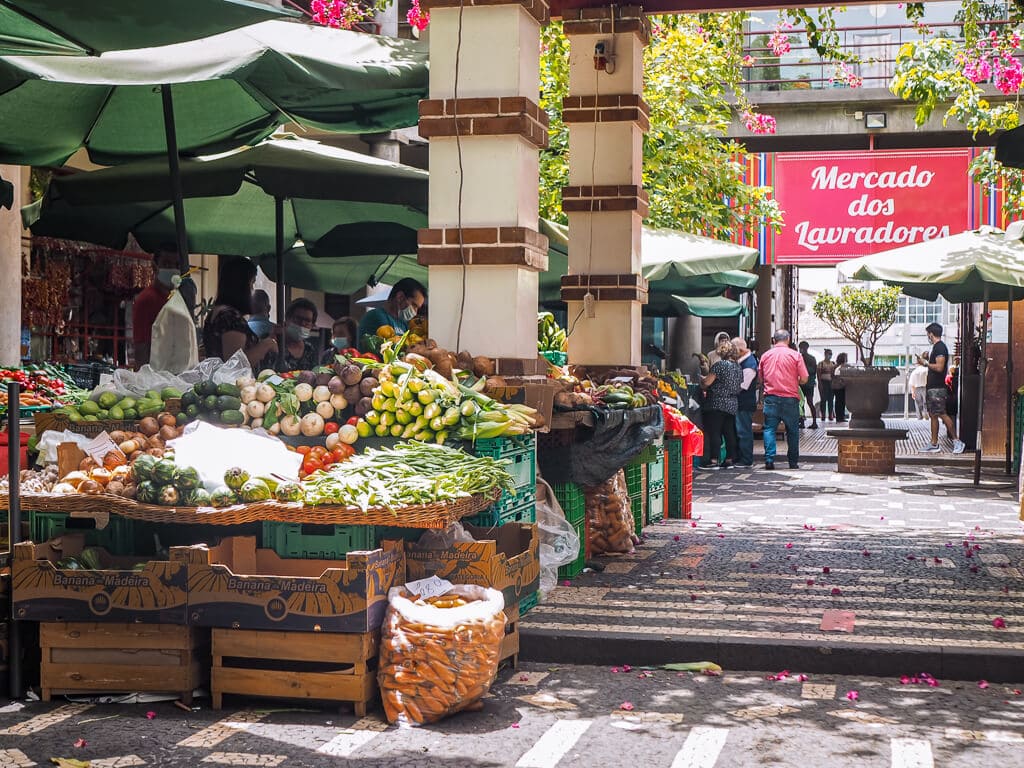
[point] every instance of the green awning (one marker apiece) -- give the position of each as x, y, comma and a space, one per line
708, 306
84, 27
229, 90
345, 275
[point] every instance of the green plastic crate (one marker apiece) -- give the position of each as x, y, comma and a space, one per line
118, 537
521, 508
520, 451
317, 542
635, 479
575, 568
636, 505
555, 357
526, 604
656, 474
651, 453
656, 506
570, 497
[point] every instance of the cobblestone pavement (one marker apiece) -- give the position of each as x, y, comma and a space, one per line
838, 572
564, 717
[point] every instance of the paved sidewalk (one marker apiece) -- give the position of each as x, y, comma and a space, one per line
924, 561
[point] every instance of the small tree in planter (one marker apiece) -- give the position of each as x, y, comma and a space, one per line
860, 315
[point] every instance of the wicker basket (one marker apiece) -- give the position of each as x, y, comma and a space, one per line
437, 515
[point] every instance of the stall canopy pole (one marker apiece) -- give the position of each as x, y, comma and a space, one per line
177, 196
279, 277
1009, 384
983, 366
14, 527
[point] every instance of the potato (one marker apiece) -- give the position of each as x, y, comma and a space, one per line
149, 426
118, 436
483, 366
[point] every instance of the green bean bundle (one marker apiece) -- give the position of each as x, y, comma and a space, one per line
407, 475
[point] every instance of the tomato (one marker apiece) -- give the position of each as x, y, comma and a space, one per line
331, 427
354, 421
317, 452
303, 449
310, 465
345, 450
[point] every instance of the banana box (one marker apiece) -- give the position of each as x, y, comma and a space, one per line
235, 585
505, 558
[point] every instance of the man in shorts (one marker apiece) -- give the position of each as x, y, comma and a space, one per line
936, 392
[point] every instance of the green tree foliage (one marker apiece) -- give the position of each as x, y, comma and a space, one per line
694, 177
860, 315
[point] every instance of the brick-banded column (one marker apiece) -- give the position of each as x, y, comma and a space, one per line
495, 118
605, 201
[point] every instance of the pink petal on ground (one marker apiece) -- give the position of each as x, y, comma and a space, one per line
693, 524
938, 560
1006, 590
802, 678
693, 597
999, 622
721, 535
1016, 691
718, 525
675, 538
853, 696
794, 568
753, 565
152, 715
514, 725
783, 674
983, 684
969, 553
566, 583
836, 591
716, 673
826, 569
911, 557
771, 678
626, 706
810, 582
882, 517
789, 545
615, 670
915, 680
865, 553
949, 545
975, 569
626, 668
81, 743
904, 679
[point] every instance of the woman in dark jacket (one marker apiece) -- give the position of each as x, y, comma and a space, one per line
839, 388
721, 388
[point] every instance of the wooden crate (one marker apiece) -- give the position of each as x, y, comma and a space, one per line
317, 666
84, 657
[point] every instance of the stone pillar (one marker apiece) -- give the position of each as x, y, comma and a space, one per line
483, 249
385, 146
605, 201
10, 267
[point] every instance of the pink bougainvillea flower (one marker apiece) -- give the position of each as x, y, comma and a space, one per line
882, 517
826, 569
693, 597
904, 679
749, 61
810, 582
152, 715
417, 17
615, 670
721, 535
999, 622
771, 678
789, 545
802, 678
514, 725
853, 696
626, 668
81, 743
1016, 691
783, 674
675, 538
718, 525
865, 553
809, 527
626, 706
983, 684
836, 591
938, 560
693, 524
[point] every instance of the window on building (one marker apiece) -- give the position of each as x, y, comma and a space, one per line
921, 312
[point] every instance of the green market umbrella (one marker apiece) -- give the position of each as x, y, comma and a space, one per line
227, 90
972, 266
252, 202
90, 27
708, 306
346, 275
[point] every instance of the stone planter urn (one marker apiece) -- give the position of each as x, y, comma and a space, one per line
867, 394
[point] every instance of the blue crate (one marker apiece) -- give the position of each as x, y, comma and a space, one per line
317, 542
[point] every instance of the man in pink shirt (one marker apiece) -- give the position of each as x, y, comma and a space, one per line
782, 371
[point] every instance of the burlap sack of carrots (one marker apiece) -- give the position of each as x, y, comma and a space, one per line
610, 517
439, 655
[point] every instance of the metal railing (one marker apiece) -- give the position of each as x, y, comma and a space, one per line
803, 69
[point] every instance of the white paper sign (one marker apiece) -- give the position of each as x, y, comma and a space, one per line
274, 380
1000, 324
99, 447
429, 587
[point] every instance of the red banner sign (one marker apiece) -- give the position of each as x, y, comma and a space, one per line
840, 205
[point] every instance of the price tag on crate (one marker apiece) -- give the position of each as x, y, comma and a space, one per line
431, 586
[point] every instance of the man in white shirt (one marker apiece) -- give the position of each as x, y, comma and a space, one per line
918, 387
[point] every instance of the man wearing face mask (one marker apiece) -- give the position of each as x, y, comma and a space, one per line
150, 301
343, 336
407, 298
300, 352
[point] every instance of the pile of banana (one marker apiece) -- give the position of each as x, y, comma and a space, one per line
550, 337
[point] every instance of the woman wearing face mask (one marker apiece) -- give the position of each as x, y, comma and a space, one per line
301, 353
225, 331
343, 336
407, 298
